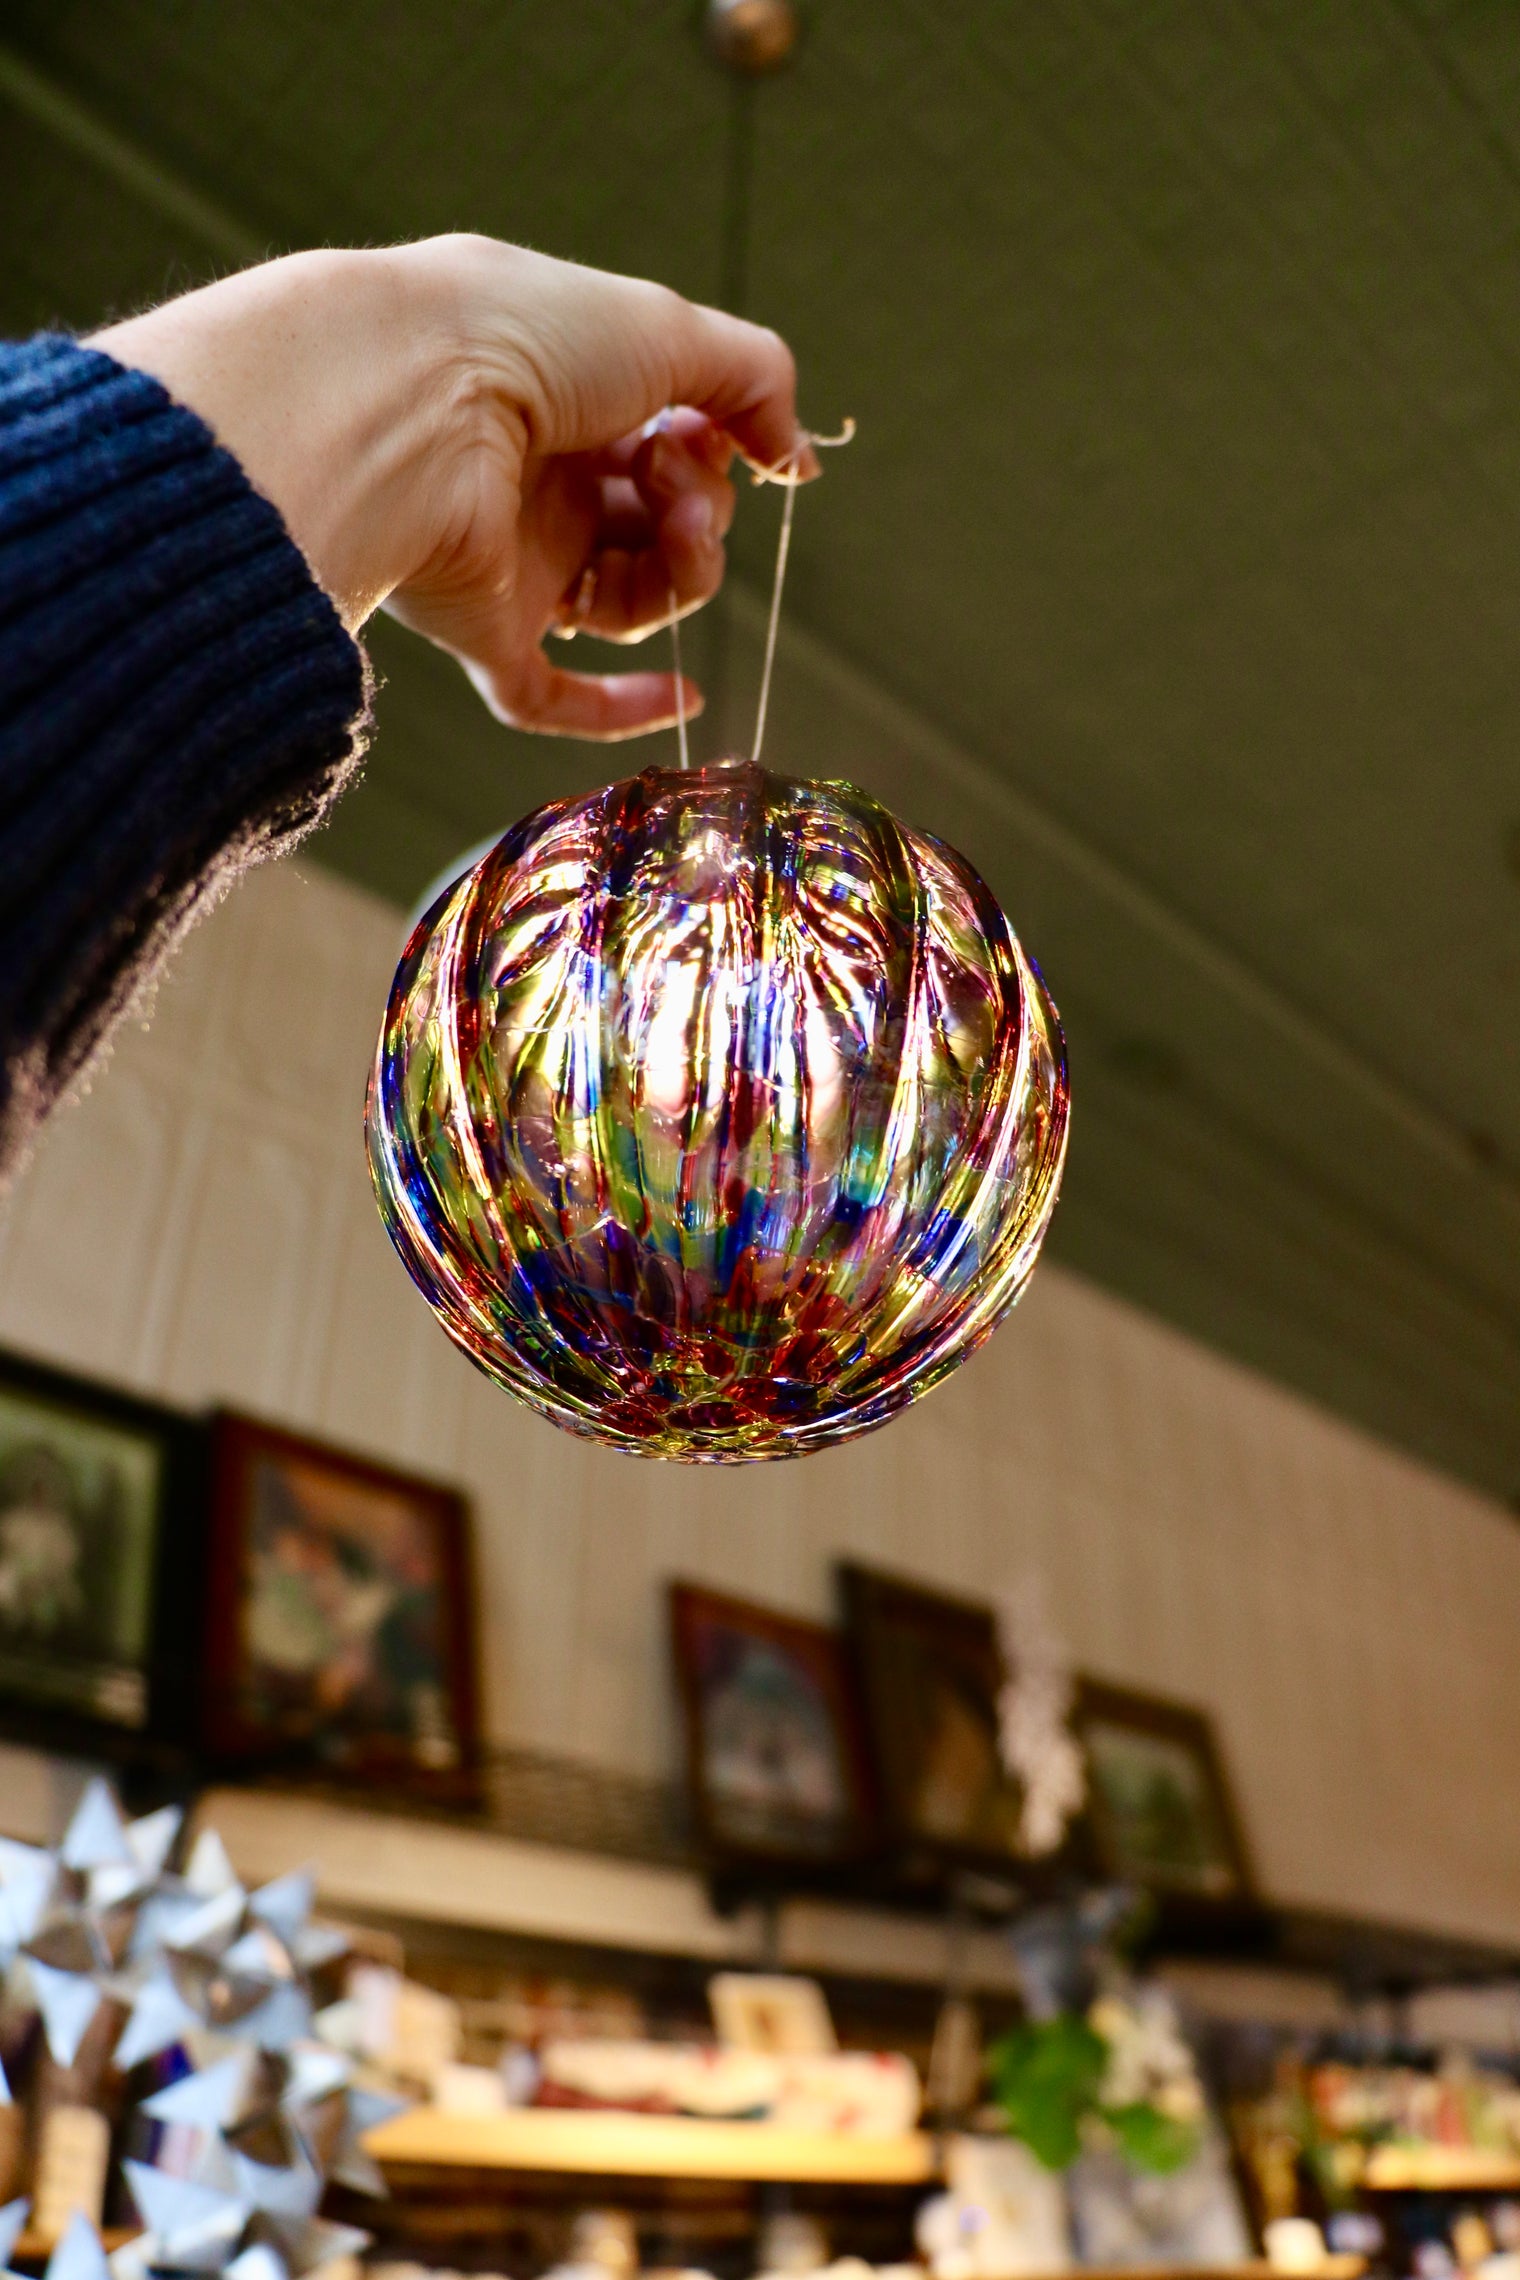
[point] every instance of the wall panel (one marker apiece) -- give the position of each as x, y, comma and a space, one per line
201, 1224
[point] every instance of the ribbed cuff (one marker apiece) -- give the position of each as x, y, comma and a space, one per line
178, 699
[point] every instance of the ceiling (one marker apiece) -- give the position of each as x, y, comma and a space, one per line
1174, 573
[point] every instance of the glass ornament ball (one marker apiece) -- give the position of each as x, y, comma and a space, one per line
718, 1115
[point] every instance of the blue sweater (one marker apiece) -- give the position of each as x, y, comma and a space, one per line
178, 699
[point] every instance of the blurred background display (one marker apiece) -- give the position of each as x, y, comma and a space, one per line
1074, 1828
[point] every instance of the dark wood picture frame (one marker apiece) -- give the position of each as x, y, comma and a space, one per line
930, 1668
1167, 1735
412, 1720
124, 1478
709, 1634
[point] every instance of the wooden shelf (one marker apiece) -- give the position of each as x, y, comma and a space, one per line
35, 2247
1441, 2169
1331, 2267
649, 2145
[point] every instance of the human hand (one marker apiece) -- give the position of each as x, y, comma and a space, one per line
472, 435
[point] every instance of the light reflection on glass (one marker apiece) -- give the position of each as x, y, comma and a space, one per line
717, 1115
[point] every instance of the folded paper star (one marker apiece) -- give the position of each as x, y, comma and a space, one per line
194, 1962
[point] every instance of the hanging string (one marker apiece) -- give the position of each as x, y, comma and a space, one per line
675, 655
785, 472
783, 549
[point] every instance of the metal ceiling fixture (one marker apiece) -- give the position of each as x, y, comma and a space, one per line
752, 36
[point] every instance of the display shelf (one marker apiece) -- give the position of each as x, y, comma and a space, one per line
1361, 1954
1330, 2267
443, 1871
649, 2145
451, 1868
1441, 2169
35, 2247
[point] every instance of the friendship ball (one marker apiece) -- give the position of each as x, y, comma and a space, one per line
717, 1115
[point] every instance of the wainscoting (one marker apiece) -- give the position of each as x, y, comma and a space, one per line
201, 1226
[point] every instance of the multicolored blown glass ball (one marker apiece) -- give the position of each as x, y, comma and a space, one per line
717, 1115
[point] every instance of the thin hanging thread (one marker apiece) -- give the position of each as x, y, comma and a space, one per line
675, 654
786, 472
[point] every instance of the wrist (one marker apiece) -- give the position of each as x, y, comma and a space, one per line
330, 386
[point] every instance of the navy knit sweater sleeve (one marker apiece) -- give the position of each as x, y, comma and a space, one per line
178, 699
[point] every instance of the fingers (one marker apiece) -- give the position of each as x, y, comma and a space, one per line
632, 594
534, 694
602, 354
590, 503
685, 457
693, 430
664, 514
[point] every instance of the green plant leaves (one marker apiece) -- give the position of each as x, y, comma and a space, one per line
1149, 2139
1046, 2080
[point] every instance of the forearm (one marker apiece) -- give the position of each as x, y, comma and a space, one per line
460, 427
176, 699
468, 430
328, 375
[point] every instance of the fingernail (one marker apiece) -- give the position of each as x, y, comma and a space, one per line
694, 519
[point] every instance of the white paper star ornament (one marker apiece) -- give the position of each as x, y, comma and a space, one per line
68, 2002
79, 2255
12, 2225
96, 1836
160, 2017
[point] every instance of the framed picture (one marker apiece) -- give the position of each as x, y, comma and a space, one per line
777, 2013
1158, 1804
98, 1542
340, 1632
930, 1673
775, 1755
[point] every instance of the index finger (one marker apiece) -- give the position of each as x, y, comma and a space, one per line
591, 356
744, 378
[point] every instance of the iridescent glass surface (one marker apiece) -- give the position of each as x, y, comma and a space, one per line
718, 1115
